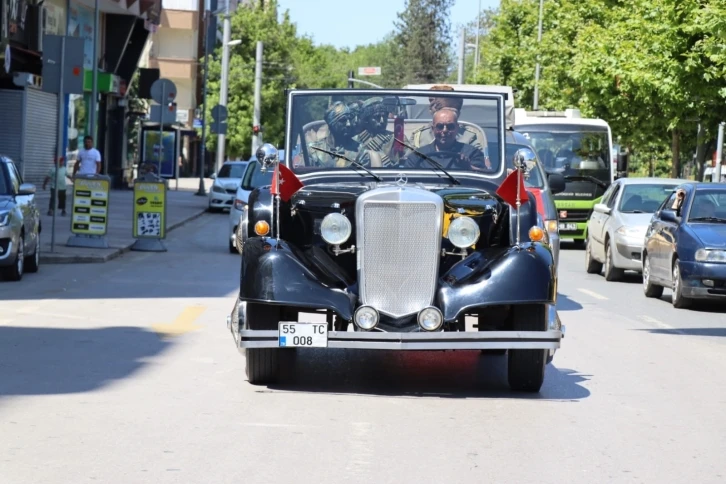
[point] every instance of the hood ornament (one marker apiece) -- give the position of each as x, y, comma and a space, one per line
401, 179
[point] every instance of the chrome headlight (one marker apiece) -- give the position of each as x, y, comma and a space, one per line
4, 218
632, 232
239, 204
552, 227
217, 189
335, 228
708, 255
463, 232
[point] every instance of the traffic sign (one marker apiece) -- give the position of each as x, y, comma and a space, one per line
219, 119
163, 114
163, 91
369, 71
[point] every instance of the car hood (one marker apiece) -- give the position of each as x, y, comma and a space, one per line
463, 200
228, 183
6, 202
636, 223
712, 236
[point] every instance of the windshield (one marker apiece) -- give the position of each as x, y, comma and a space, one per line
709, 205
535, 176
254, 177
232, 170
644, 198
572, 150
4, 187
354, 128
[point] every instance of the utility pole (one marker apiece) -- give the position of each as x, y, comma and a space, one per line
476, 49
462, 50
94, 82
716, 177
257, 137
203, 145
223, 82
535, 104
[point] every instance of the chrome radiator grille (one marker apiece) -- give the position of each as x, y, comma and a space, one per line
399, 243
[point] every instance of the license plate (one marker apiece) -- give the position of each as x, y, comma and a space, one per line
571, 227
306, 335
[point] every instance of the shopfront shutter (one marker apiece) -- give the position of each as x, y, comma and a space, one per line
41, 133
11, 134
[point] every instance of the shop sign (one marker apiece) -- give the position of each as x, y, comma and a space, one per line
53, 19
16, 22
81, 25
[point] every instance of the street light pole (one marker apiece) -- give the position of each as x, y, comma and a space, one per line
258, 97
223, 84
535, 104
462, 51
94, 82
476, 49
351, 80
203, 146
716, 177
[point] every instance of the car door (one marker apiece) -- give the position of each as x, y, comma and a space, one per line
600, 219
655, 245
669, 238
21, 201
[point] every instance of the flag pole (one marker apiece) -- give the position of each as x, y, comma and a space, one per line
277, 198
519, 195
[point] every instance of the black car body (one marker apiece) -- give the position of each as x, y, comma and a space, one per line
685, 245
395, 263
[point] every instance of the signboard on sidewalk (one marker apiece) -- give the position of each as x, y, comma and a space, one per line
90, 206
149, 220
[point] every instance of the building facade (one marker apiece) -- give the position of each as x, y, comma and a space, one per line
123, 28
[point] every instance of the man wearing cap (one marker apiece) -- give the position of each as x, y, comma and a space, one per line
375, 135
341, 129
467, 135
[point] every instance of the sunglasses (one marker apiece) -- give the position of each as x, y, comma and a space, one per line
449, 126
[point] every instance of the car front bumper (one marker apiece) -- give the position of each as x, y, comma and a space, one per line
8, 246
221, 200
628, 253
234, 216
695, 277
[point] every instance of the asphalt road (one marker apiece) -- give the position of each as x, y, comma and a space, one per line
125, 372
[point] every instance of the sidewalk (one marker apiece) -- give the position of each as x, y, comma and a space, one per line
183, 207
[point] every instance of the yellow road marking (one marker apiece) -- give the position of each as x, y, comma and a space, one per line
593, 294
184, 323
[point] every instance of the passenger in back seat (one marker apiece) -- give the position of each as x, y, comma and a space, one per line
373, 134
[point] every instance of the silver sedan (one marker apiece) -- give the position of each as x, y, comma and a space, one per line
617, 225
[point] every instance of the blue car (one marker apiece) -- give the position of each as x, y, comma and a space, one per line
685, 245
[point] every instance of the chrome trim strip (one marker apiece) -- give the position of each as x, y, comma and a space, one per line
545, 340
7, 252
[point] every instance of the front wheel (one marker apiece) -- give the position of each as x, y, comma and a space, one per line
526, 368
612, 273
650, 289
15, 272
591, 265
678, 299
263, 365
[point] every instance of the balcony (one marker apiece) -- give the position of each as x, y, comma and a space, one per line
179, 19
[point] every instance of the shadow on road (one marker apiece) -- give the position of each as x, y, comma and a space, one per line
571, 245
49, 361
690, 331
564, 303
699, 306
460, 374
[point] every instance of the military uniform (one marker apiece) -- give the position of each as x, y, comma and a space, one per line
339, 119
374, 114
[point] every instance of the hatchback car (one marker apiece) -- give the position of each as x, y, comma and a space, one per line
19, 224
225, 185
685, 245
616, 228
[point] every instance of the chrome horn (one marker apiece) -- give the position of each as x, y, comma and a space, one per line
267, 155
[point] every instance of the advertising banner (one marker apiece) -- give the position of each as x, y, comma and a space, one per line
81, 25
149, 210
151, 147
90, 206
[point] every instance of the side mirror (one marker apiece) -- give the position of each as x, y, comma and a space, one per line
213, 176
622, 162
26, 189
602, 208
556, 182
669, 216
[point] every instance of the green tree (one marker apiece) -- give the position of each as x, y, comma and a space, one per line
421, 48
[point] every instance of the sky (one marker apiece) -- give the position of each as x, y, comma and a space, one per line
348, 23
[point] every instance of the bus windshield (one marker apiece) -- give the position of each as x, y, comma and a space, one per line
575, 151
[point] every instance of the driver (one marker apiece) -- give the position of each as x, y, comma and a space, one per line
374, 135
445, 148
341, 128
466, 134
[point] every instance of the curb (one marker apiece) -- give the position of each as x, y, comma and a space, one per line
84, 259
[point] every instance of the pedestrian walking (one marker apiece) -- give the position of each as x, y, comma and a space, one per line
57, 176
88, 161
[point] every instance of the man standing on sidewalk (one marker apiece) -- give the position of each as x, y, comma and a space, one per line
57, 175
89, 159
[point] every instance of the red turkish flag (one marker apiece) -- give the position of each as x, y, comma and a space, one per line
508, 189
289, 184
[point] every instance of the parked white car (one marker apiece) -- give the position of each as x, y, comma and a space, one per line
225, 185
252, 178
616, 229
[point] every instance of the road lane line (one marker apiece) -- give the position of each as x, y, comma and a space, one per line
184, 323
593, 294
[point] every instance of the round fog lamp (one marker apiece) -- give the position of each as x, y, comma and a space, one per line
335, 228
366, 318
536, 234
463, 232
430, 319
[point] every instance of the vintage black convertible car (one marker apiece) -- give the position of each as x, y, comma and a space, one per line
389, 220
